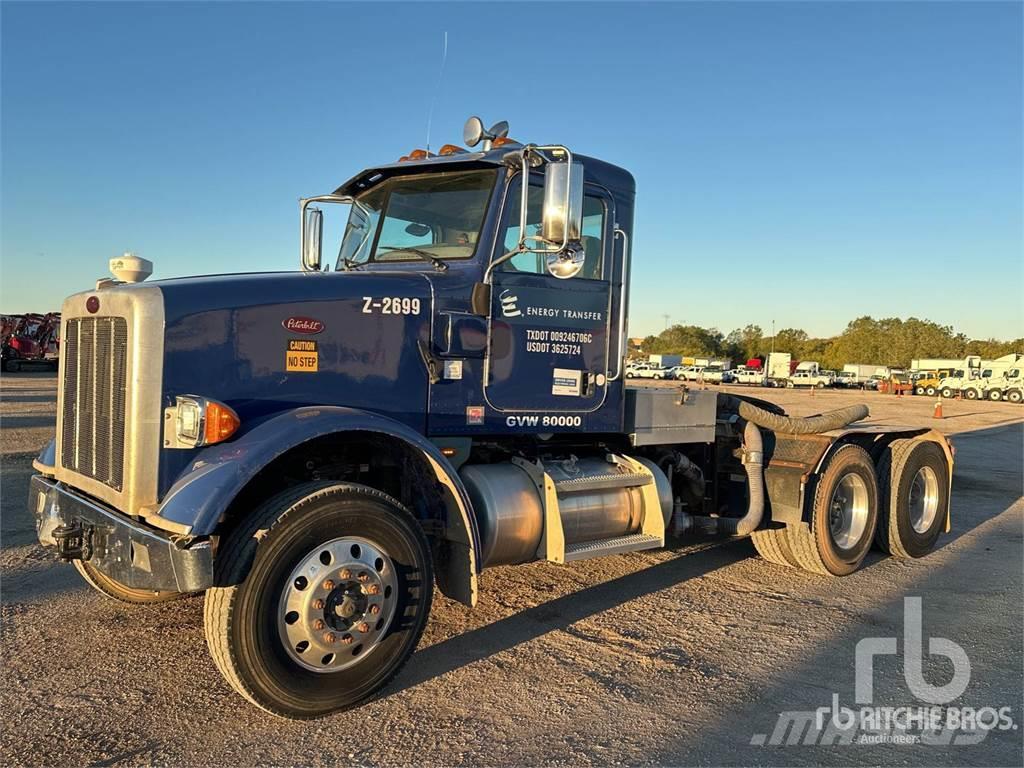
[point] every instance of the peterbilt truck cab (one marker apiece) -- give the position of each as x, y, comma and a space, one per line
316, 450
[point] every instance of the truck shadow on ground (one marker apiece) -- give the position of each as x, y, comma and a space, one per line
559, 614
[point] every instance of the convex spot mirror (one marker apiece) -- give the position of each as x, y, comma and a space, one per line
562, 219
312, 238
567, 263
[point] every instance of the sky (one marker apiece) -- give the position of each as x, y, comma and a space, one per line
802, 163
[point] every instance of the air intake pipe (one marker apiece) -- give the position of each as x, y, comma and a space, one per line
788, 425
753, 456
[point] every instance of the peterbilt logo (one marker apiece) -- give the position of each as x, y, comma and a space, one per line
303, 325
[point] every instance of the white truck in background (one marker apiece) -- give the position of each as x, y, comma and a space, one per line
808, 379
646, 371
665, 361
996, 376
746, 375
863, 372
778, 366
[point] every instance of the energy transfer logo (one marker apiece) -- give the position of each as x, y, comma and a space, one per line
509, 305
930, 723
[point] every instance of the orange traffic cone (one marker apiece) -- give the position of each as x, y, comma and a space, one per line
938, 409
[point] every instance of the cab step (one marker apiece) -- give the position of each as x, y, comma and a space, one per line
632, 543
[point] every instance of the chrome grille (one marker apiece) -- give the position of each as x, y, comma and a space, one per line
94, 369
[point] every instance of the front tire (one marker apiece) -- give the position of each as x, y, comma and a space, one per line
947, 392
320, 598
843, 516
1015, 395
115, 590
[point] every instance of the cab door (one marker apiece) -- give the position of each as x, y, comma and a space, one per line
548, 338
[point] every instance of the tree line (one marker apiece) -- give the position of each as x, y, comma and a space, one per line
889, 341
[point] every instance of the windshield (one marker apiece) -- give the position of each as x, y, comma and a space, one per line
416, 218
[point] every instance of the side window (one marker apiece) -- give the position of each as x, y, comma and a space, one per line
592, 237
531, 263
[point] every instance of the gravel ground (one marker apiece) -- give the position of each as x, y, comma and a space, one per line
677, 657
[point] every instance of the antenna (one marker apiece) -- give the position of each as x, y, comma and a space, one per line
667, 317
437, 88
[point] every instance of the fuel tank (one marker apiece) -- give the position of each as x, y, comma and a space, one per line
597, 499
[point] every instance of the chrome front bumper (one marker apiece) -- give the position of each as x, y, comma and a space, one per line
134, 555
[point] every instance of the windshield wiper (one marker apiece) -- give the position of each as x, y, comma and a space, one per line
439, 265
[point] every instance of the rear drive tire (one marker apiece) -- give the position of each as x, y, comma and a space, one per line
772, 545
995, 394
12, 366
115, 590
930, 391
971, 394
918, 390
321, 596
843, 516
913, 494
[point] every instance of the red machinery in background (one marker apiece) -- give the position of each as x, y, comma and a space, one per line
29, 340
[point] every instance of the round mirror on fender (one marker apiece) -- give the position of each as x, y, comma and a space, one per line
417, 230
473, 131
567, 263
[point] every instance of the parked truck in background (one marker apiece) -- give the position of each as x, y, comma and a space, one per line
665, 361
745, 375
647, 371
316, 450
779, 366
992, 379
808, 379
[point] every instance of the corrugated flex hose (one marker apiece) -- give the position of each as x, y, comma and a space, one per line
789, 425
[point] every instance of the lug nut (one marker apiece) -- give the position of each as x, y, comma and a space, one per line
364, 576
347, 639
318, 605
330, 637
374, 609
362, 626
318, 625
345, 573
371, 589
328, 585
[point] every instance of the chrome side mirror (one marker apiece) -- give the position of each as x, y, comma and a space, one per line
312, 239
562, 219
567, 263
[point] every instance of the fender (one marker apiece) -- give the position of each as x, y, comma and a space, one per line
200, 495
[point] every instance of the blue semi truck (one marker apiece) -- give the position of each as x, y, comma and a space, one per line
316, 450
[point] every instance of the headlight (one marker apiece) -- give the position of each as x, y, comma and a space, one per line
194, 421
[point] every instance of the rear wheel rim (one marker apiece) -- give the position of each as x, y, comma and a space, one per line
848, 511
923, 499
337, 604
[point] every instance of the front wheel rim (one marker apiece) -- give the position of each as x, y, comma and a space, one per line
848, 511
923, 499
337, 604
